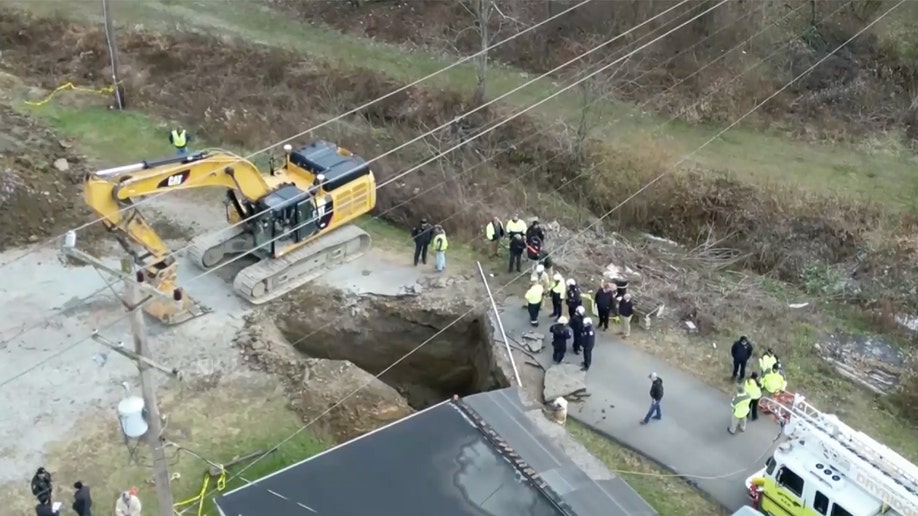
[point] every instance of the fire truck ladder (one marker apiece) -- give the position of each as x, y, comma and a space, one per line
891, 474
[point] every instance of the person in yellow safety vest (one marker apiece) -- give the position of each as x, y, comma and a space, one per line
534, 301
767, 361
440, 244
774, 381
740, 405
558, 292
516, 227
754, 390
494, 231
179, 139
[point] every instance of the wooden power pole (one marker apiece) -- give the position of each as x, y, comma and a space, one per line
112, 52
154, 433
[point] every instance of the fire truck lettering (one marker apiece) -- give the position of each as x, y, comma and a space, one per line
884, 495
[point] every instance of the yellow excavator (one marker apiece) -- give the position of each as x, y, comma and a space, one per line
293, 219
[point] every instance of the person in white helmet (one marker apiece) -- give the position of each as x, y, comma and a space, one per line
542, 277
572, 297
534, 301
576, 323
587, 340
558, 291
559, 335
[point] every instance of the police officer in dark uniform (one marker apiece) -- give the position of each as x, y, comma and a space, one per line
573, 297
559, 335
587, 340
422, 235
577, 327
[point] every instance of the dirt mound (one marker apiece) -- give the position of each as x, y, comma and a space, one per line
40, 176
315, 385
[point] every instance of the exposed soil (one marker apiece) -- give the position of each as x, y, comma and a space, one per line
38, 200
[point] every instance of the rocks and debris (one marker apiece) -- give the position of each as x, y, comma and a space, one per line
868, 360
314, 385
533, 341
62, 164
564, 380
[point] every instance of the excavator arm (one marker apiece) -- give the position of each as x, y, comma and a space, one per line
111, 194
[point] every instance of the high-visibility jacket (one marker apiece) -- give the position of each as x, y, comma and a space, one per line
534, 294
753, 389
440, 243
559, 288
774, 382
491, 231
766, 363
516, 227
741, 404
179, 138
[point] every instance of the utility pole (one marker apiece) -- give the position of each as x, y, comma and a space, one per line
112, 53
154, 434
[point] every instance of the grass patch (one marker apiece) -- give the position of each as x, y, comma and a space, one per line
752, 154
669, 495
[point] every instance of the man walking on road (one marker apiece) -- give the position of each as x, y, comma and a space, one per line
741, 402
625, 311
656, 396
742, 352
422, 235
559, 335
587, 340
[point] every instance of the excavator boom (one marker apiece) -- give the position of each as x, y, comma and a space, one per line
282, 218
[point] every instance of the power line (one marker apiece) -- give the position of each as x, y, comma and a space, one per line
331, 120
674, 167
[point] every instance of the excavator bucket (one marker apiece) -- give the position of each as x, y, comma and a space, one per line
172, 313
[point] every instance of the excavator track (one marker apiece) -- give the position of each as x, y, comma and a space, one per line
270, 279
208, 251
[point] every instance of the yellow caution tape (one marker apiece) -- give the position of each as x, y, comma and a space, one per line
221, 485
108, 90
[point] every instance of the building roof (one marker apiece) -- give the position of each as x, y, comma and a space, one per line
446, 460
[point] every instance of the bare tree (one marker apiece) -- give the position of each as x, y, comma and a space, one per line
483, 10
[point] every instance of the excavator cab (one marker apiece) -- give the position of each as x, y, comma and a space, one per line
289, 218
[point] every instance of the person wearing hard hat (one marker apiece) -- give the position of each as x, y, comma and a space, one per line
576, 323
534, 301
572, 297
755, 394
516, 227
558, 291
542, 277
440, 245
560, 332
128, 504
774, 381
740, 406
587, 340
494, 232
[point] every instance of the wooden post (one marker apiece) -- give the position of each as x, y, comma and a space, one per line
112, 52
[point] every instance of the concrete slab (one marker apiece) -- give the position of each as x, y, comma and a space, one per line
365, 276
692, 438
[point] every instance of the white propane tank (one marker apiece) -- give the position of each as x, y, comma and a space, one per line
130, 414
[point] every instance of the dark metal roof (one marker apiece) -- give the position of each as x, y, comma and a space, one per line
477, 456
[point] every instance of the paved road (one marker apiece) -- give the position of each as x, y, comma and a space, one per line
691, 439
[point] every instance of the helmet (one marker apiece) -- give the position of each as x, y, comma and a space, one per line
581, 310
558, 277
562, 320
540, 268
571, 282
587, 321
